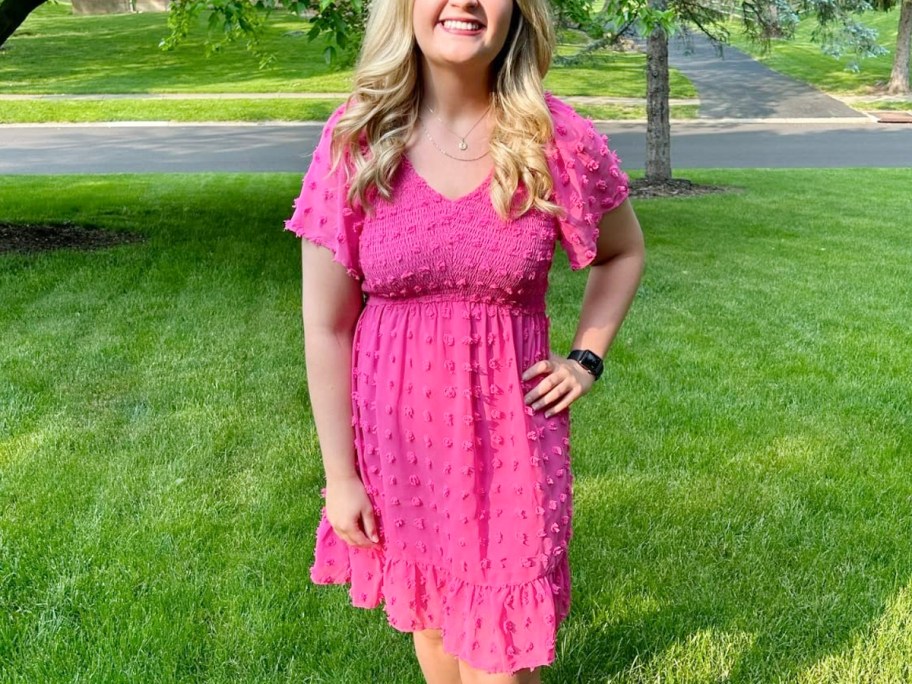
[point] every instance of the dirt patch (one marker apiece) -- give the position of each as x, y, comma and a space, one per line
28, 238
676, 187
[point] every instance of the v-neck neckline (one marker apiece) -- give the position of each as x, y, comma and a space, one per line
452, 200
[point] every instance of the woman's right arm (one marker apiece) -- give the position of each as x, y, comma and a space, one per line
331, 304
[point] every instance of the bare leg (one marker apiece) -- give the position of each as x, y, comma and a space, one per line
437, 666
472, 676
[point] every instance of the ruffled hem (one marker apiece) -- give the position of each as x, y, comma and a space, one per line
498, 629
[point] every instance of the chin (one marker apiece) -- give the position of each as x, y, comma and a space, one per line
456, 58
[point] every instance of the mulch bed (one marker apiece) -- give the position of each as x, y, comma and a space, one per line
27, 237
676, 187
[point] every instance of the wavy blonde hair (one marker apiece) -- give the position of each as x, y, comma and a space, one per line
382, 111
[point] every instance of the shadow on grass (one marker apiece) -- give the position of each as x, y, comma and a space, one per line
670, 588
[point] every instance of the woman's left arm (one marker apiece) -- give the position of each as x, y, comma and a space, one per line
614, 277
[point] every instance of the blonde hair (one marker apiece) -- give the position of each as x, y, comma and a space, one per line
382, 111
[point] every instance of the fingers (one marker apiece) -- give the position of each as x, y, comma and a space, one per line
543, 366
560, 390
352, 533
546, 385
562, 383
353, 536
370, 525
572, 395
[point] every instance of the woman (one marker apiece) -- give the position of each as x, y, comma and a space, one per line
439, 191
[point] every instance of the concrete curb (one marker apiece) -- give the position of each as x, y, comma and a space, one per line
860, 120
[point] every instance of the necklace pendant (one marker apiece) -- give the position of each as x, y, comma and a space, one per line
462, 145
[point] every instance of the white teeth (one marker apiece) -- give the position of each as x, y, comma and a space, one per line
462, 25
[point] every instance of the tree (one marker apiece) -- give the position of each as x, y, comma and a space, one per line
899, 76
761, 20
341, 25
838, 32
13, 13
658, 90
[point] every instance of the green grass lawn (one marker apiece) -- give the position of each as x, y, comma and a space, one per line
802, 59
55, 52
900, 106
742, 470
31, 111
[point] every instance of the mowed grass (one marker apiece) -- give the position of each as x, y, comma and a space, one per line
259, 110
57, 53
742, 472
803, 59
88, 111
899, 105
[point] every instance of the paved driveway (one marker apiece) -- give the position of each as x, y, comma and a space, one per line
732, 85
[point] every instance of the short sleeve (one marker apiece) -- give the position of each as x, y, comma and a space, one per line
321, 212
588, 180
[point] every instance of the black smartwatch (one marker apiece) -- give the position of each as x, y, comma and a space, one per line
590, 361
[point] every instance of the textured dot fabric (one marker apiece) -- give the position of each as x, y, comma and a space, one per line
472, 489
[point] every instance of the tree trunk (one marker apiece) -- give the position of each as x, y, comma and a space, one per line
13, 13
899, 78
658, 127
774, 28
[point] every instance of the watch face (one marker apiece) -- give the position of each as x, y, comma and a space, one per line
588, 360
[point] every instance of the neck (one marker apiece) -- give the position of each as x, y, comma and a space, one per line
459, 98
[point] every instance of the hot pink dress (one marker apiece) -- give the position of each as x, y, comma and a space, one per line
472, 490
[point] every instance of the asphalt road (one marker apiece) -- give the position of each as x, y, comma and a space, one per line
732, 85
260, 148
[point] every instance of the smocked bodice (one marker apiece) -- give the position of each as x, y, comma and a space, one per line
424, 245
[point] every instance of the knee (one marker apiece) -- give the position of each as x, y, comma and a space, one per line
429, 635
470, 675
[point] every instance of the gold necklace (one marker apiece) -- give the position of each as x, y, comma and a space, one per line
428, 134
463, 145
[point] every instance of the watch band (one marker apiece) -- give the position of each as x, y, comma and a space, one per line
589, 360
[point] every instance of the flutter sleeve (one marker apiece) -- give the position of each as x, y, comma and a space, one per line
588, 180
321, 212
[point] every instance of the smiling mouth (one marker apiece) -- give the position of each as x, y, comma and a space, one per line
462, 25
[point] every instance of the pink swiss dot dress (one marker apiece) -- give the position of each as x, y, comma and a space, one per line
472, 490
